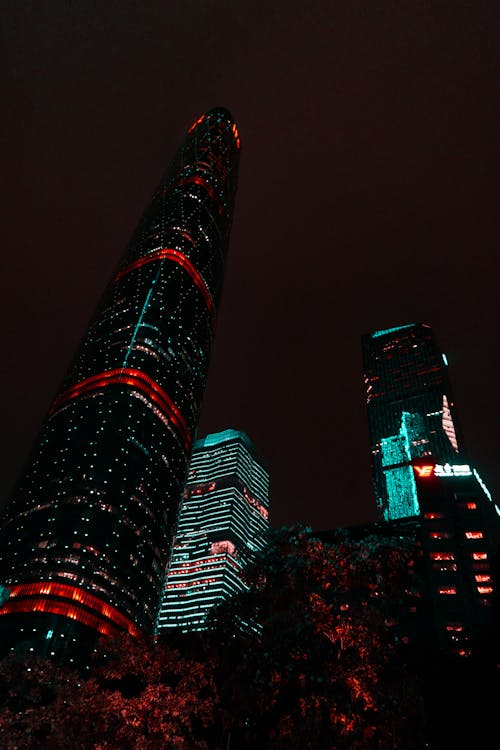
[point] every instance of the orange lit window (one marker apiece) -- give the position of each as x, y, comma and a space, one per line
455, 626
479, 555
447, 590
474, 534
471, 506
483, 578
442, 556
430, 516
485, 589
439, 535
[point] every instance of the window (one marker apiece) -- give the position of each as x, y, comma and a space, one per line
439, 535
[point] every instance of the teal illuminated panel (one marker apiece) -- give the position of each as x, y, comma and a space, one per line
397, 453
391, 330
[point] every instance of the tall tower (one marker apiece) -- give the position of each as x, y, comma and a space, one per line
86, 535
411, 412
222, 520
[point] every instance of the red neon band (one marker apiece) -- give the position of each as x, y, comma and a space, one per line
27, 592
132, 377
184, 262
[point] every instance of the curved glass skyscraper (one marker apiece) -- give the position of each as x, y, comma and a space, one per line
87, 532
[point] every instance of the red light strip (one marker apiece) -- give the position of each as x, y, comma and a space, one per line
27, 591
57, 608
195, 180
236, 134
182, 260
196, 122
132, 377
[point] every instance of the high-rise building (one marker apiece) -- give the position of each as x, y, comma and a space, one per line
421, 474
221, 525
86, 535
460, 536
411, 412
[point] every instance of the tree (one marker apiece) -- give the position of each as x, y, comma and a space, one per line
325, 670
141, 695
305, 659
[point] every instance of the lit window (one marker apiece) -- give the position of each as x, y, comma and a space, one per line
447, 590
442, 556
474, 535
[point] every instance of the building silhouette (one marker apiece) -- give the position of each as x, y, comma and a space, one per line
86, 534
223, 518
411, 412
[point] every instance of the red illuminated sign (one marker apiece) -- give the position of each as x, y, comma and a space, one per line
424, 471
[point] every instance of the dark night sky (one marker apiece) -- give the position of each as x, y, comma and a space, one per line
368, 197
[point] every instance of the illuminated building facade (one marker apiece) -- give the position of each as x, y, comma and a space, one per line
411, 412
223, 517
448, 620
452, 588
460, 537
86, 535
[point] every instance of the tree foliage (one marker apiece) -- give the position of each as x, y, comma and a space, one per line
305, 659
142, 696
326, 670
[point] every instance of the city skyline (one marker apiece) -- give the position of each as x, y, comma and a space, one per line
367, 199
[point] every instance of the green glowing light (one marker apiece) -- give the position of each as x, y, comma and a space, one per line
391, 330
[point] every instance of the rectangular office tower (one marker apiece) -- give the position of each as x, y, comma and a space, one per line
86, 535
223, 517
460, 537
411, 412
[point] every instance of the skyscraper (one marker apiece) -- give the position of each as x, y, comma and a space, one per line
411, 412
223, 517
460, 536
86, 535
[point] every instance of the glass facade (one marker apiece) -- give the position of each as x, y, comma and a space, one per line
87, 532
223, 517
410, 412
